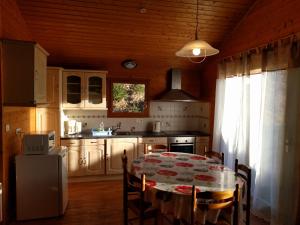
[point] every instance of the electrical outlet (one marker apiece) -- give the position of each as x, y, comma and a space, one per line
7, 127
18, 130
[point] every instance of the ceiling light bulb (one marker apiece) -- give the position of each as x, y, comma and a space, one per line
196, 51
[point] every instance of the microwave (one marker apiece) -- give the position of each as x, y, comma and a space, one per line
38, 143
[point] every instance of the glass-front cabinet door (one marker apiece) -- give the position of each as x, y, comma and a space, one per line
95, 90
73, 89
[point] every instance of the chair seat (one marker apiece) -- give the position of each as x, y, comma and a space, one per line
134, 205
221, 221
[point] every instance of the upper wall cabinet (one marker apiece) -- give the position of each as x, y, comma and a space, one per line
24, 73
84, 89
54, 75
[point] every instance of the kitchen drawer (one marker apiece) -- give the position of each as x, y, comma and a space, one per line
71, 142
93, 142
202, 139
154, 140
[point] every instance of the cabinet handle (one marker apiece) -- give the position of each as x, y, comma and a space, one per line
93, 142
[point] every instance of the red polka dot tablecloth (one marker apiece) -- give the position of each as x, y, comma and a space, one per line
177, 172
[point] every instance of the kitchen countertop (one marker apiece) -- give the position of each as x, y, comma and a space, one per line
124, 134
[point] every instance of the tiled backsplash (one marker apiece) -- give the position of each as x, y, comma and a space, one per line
173, 116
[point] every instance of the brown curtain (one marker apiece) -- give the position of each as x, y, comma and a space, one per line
282, 54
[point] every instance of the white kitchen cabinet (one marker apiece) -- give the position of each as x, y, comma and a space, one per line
95, 90
76, 166
76, 154
84, 89
24, 66
73, 89
114, 151
144, 142
202, 144
48, 119
85, 157
54, 76
94, 156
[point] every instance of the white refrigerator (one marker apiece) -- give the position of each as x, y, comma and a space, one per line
41, 185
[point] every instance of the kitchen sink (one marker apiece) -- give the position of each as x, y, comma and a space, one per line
123, 133
96, 132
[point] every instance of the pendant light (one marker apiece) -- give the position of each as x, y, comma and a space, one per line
197, 48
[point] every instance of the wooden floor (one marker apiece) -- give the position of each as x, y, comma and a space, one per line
94, 203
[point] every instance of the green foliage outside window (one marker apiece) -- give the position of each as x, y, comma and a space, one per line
128, 97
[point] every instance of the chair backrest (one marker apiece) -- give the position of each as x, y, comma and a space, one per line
218, 155
131, 184
155, 148
215, 200
244, 172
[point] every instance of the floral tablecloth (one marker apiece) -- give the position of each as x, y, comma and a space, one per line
175, 173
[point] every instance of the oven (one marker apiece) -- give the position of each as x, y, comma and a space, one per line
181, 144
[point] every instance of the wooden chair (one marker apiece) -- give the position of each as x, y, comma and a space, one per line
155, 148
212, 154
214, 201
244, 172
133, 197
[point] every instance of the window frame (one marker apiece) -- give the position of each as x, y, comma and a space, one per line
110, 112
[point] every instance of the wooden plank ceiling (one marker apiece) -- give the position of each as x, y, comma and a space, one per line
98, 33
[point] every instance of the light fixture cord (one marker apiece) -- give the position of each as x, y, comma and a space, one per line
196, 32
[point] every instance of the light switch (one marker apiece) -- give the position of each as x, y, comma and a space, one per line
7, 127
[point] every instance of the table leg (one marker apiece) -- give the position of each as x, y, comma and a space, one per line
176, 221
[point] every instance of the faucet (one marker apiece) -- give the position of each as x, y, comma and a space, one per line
115, 128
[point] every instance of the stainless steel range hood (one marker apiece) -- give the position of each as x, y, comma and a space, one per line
176, 94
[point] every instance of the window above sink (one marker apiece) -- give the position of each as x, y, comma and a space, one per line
128, 98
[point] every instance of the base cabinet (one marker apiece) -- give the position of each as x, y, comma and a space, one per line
85, 157
145, 142
94, 156
75, 156
75, 161
202, 145
114, 151
103, 156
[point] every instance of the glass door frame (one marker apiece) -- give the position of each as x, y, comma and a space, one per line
102, 75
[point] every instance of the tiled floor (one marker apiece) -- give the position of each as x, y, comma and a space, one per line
95, 203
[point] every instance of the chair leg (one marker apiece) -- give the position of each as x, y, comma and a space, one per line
125, 215
156, 220
176, 222
141, 220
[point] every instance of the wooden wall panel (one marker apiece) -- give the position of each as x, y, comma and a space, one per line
1, 18
265, 22
15, 117
13, 25
101, 34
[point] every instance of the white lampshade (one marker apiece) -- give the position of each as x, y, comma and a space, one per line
205, 49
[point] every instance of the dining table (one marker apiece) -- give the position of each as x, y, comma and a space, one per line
171, 175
